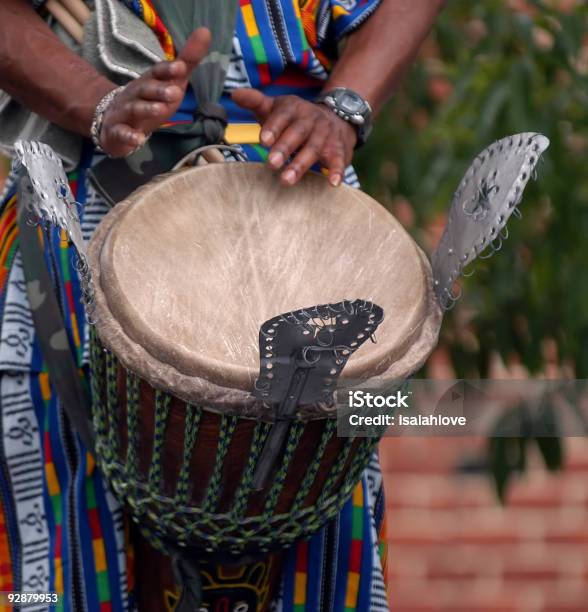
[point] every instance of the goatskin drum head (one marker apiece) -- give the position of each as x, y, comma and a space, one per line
188, 268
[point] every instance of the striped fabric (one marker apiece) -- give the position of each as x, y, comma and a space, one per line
64, 531
60, 528
145, 10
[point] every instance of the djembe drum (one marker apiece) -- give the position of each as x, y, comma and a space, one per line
185, 272
226, 307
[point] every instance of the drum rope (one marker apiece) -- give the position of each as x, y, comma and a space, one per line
97, 369
227, 428
368, 446
132, 460
162, 404
169, 521
336, 471
308, 520
260, 434
294, 435
193, 415
219, 531
112, 402
313, 468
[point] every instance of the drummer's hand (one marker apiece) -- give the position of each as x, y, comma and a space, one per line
149, 101
310, 132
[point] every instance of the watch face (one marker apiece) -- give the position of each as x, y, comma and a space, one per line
351, 103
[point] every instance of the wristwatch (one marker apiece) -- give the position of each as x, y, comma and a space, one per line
351, 107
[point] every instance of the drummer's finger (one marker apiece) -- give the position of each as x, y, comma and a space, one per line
169, 71
252, 99
160, 91
139, 112
123, 138
308, 155
333, 159
195, 49
291, 140
282, 116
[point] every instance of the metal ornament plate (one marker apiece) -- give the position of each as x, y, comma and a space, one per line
53, 201
487, 196
302, 356
319, 340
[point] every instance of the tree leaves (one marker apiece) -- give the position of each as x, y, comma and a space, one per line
517, 432
509, 71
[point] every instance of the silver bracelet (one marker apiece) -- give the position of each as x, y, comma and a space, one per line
98, 119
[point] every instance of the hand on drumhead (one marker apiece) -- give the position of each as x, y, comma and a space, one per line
307, 132
149, 101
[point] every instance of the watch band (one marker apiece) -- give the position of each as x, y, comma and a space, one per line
351, 107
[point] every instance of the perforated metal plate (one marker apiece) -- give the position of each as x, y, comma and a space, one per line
319, 340
487, 196
54, 201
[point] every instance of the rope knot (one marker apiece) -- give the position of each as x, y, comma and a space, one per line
213, 118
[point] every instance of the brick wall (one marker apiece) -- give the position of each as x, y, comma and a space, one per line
453, 548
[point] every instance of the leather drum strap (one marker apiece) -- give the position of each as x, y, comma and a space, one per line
63, 371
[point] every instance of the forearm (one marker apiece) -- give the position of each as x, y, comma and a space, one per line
39, 71
378, 54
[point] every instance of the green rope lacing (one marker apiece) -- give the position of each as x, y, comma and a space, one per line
260, 434
132, 464
97, 367
161, 516
313, 468
213, 490
294, 435
112, 402
193, 415
336, 471
162, 402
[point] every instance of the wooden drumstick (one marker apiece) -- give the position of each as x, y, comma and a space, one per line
67, 21
213, 156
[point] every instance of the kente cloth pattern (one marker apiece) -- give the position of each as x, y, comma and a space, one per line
60, 527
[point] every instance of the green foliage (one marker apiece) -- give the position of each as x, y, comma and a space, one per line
516, 432
489, 71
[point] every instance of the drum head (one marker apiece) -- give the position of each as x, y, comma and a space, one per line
188, 268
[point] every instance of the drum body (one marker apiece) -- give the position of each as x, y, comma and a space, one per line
185, 271
187, 471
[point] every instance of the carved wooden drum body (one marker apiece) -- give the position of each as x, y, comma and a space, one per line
186, 272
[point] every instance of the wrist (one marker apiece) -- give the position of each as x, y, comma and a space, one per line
350, 132
99, 114
98, 91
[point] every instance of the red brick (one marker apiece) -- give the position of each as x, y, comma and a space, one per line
538, 492
532, 574
569, 519
424, 455
448, 572
457, 596
577, 607
463, 563
566, 597
564, 535
576, 458
438, 491
453, 548
414, 608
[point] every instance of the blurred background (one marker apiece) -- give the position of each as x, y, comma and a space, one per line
488, 70
491, 69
